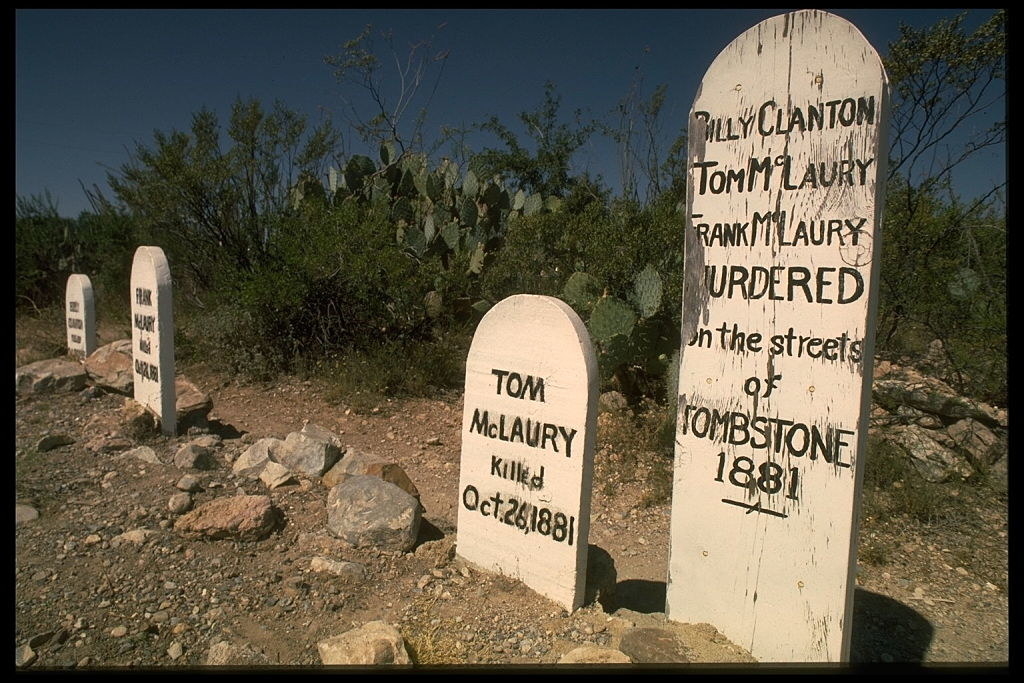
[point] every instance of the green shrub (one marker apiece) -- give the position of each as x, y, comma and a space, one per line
894, 489
363, 379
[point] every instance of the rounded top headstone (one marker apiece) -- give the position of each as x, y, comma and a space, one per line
529, 415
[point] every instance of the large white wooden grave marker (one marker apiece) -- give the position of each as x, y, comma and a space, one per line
786, 168
153, 335
80, 310
528, 446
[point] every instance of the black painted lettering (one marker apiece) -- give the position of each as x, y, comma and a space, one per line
846, 275
479, 423
802, 282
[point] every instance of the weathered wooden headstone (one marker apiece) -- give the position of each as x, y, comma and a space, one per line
153, 335
80, 308
787, 154
528, 446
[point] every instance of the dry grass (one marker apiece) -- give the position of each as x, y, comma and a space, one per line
636, 448
39, 336
431, 644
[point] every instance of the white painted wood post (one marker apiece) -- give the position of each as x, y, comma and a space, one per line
80, 310
787, 156
153, 335
527, 461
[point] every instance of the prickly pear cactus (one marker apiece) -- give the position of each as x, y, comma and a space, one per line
581, 291
647, 291
611, 316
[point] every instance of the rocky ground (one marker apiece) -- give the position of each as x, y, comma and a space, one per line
104, 579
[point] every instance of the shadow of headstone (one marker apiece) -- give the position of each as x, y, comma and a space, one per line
637, 595
224, 431
428, 532
601, 576
886, 630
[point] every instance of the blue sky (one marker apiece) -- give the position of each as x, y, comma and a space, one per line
90, 83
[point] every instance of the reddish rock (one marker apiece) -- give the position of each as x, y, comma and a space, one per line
191, 405
355, 463
110, 367
243, 518
48, 376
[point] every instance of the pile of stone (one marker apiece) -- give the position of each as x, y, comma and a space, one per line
944, 434
370, 502
109, 368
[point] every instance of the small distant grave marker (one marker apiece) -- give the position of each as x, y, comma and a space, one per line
787, 155
80, 309
528, 446
153, 335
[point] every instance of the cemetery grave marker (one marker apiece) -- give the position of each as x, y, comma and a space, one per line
153, 335
528, 446
80, 310
787, 153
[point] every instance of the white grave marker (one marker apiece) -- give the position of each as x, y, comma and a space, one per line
80, 308
787, 155
528, 446
153, 335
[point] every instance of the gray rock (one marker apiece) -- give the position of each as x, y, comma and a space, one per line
594, 654
192, 457
319, 433
910, 388
350, 572
136, 536
24, 655
612, 402
24, 513
53, 638
108, 444
976, 442
933, 461
110, 367
243, 518
208, 441
143, 453
224, 653
653, 646
275, 474
254, 458
180, 503
374, 643
49, 376
308, 454
366, 511
51, 441
188, 483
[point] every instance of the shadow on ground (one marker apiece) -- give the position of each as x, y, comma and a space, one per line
428, 532
603, 586
883, 629
637, 595
224, 431
886, 630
